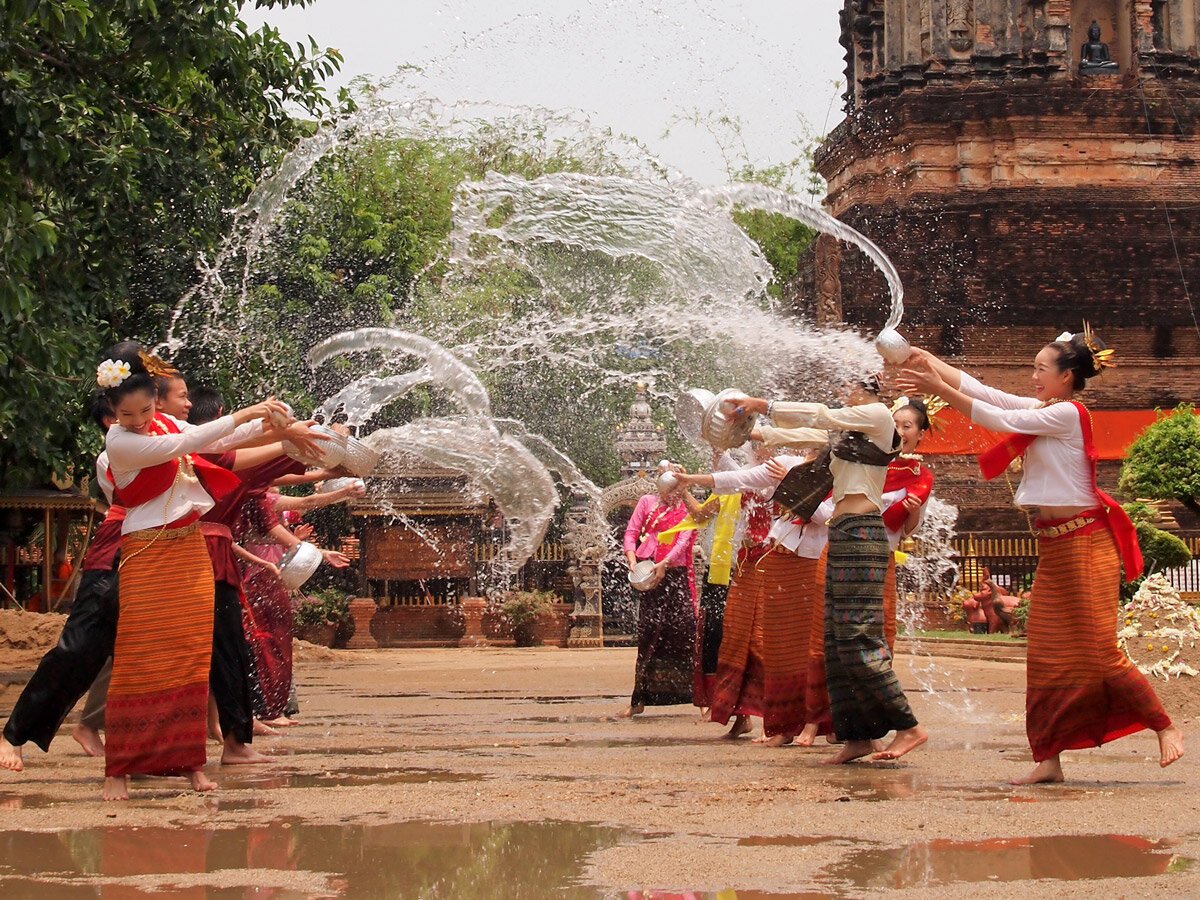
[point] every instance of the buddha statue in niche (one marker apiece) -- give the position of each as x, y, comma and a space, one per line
1093, 55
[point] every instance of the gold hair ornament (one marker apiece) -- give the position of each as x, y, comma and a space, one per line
156, 366
1103, 357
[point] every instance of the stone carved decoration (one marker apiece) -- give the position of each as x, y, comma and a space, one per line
827, 263
960, 24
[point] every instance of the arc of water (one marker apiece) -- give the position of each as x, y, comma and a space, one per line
499, 464
447, 371
361, 399
769, 199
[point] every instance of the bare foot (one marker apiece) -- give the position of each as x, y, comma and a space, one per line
281, 722
903, 742
238, 754
705, 714
214, 721
851, 750
740, 726
89, 739
774, 740
261, 728
10, 756
1170, 745
809, 734
630, 711
115, 788
200, 781
1045, 772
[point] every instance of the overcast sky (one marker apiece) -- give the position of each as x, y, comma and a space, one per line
636, 67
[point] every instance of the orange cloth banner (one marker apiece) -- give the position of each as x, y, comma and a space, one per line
1114, 430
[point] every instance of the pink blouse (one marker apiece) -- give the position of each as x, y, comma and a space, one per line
651, 516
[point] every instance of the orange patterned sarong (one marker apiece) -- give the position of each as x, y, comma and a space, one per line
1082, 691
762, 666
158, 698
817, 698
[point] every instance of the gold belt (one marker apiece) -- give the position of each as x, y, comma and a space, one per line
1053, 531
163, 534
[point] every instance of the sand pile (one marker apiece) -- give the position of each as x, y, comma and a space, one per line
25, 637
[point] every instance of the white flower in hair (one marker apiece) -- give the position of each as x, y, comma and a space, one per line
1065, 336
899, 403
111, 373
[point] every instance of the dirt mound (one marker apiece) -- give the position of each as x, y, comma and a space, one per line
303, 650
1180, 696
25, 637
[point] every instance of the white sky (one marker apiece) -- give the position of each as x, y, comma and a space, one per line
629, 65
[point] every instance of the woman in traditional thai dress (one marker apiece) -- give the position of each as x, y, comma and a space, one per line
763, 659
865, 696
1082, 690
666, 626
158, 697
905, 492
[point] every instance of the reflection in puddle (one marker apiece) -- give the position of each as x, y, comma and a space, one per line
1061, 857
344, 777
290, 859
897, 786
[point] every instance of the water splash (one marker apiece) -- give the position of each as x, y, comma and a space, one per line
500, 465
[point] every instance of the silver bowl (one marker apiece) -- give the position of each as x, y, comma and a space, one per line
666, 482
335, 450
720, 427
336, 484
689, 413
298, 564
892, 347
357, 457
280, 420
641, 576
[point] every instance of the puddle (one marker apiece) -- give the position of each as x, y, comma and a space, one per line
785, 840
343, 777
290, 859
898, 786
1060, 857
27, 801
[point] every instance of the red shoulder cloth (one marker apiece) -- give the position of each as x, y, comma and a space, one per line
154, 481
995, 460
915, 479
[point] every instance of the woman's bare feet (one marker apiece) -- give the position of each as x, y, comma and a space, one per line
807, 735
281, 722
907, 740
850, 751
262, 728
200, 781
238, 754
115, 788
1170, 745
774, 740
1045, 772
89, 739
10, 756
630, 711
740, 726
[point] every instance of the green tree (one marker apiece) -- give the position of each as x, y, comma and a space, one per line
1164, 462
126, 132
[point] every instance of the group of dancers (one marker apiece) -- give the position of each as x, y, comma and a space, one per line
796, 620
180, 625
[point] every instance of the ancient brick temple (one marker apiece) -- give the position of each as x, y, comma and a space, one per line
1019, 196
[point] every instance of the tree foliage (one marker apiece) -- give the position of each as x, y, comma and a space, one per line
1164, 462
126, 132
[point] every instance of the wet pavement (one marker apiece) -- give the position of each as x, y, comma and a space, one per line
489, 774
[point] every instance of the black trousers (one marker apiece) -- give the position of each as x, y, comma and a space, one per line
229, 677
68, 669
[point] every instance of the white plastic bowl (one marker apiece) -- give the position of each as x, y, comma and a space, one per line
336, 484
357, 457
298, 564
892, 346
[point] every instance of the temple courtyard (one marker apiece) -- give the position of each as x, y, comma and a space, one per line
504, 773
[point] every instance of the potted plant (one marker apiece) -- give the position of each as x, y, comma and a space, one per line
522, 609
319, 616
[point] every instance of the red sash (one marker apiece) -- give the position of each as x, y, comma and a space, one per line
154, 481
995, 460
914, 478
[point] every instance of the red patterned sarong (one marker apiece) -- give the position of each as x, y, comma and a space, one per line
1083, 691
158, 698
762, 667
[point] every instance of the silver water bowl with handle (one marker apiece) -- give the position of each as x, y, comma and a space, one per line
298, 564
689, 414
721, 426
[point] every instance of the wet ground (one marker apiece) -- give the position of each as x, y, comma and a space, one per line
503, 773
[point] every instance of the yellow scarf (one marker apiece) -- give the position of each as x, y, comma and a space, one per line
721, 563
